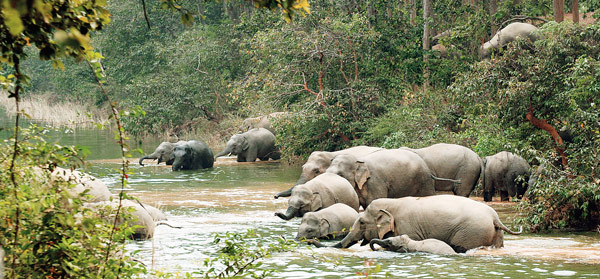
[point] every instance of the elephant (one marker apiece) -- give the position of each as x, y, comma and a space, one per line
163, 153
501, 173
334, 221
460, 222
319, 161
263, 121
507, 35
155, 213
96, 189
142, 219
454, 162
192, 155
322, 191
387, 173
404, 244
255, 143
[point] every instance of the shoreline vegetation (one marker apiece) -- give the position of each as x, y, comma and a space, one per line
41, 108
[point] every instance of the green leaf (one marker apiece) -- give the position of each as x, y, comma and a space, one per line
12, 19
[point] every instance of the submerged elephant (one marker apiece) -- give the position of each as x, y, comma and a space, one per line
319, 161
404, 244
501, 173
332, 222
163, 153
192, 155
506, 35
460, 222
387, 173
321, 192
256, 143
454, 162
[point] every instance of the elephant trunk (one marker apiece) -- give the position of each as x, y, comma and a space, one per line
146, 157
352, 238
288, 192
379, 242
226, 151
289, 214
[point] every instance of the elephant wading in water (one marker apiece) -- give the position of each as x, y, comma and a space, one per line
460, 222
454, 162
323, 191
404, 244
507, 35
319, 161
501, 173
332, 222
192, 155
387, 173
256, 143
163, 153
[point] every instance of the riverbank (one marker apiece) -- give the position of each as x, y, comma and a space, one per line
43, 108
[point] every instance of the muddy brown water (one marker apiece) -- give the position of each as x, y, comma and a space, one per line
235, 197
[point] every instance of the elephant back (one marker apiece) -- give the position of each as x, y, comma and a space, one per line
334, 189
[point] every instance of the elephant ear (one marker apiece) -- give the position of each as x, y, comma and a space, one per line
324, 226
361, 175
244, 143
385, 223
316, 203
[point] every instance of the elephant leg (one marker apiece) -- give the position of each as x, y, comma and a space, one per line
241, 158
275, 155
468, 177
504, 195
251, 154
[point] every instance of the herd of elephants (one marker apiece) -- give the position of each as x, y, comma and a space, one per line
396, 188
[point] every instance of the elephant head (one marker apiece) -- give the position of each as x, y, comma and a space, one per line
163, 153
397, 244
303, 200
373, 223
180, 156
235, 145
316, 164
353, 170
312, 227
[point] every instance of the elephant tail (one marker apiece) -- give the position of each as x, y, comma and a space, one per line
501, 226
167, 224
454, 181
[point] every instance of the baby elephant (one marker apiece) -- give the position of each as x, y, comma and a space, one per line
334, 221
321, 192
501, 173
404, 244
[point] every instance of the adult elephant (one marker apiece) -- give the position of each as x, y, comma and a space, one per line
192, 155
387, 173
323, 191
454, 162
163, 153
319, 161
460, 222
507, 35
255, 143
501, 173
332, 222
96, 190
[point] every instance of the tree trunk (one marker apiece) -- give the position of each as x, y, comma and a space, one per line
575, 10
413, 11
559, 10
427, 11
493, 8
543, 124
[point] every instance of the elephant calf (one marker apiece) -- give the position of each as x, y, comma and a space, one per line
162, 153
323, 191
404, 244
501, 173
334, 221
192, 155
256, 143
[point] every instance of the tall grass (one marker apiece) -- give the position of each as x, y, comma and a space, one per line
64, 113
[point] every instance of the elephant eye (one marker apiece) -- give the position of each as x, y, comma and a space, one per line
316, 171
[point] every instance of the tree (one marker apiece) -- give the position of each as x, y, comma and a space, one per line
559, 10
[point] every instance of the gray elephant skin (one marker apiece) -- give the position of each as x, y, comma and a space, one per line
192, 155
404, 244
319, 161
141, 218
454, 162
321, 192
501, 173
506, 35
162, 153
332, 222
255, 143
93, 187
387, 173
263, 121
460, 222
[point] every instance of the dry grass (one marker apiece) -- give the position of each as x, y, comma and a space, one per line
41, 108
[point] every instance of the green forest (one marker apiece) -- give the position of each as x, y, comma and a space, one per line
346, 73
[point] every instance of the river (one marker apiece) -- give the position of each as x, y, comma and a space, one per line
236, 197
